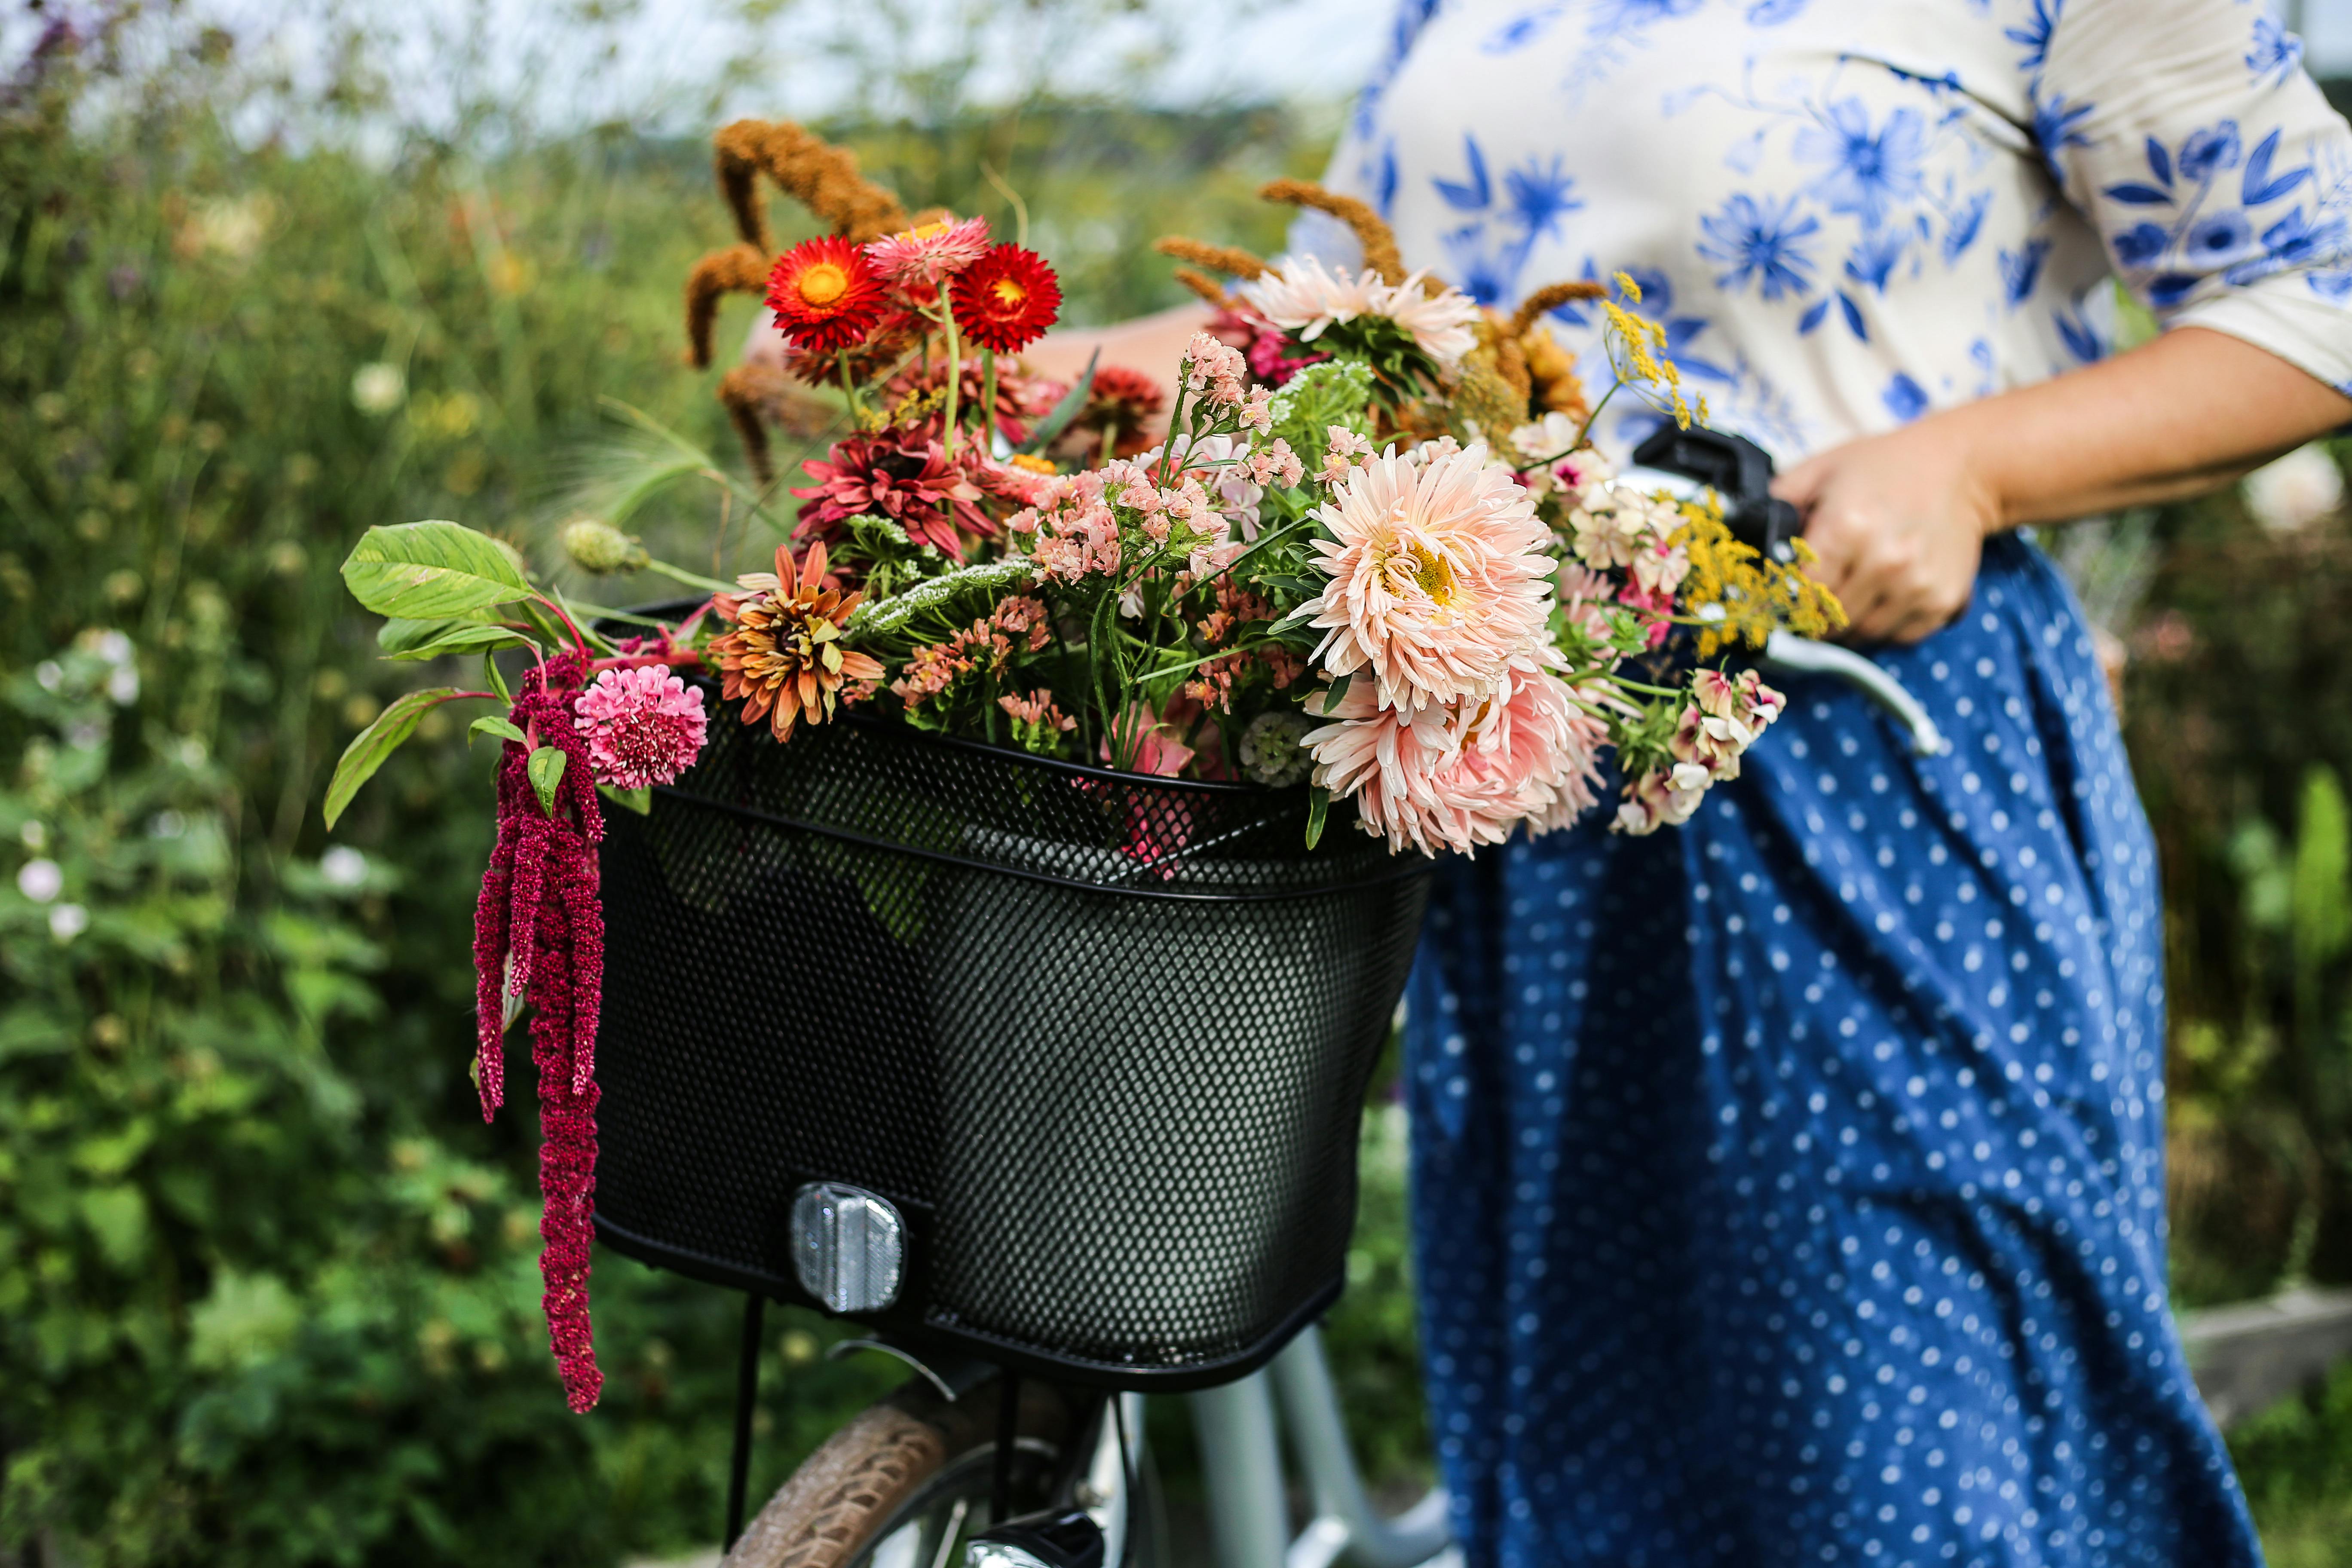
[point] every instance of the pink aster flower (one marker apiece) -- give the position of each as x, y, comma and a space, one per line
926, 256
1305, 297
643, 726
1438, 582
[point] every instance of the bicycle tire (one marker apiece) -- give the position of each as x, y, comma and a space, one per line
909, 1459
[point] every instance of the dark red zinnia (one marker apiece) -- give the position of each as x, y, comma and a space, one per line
1007, 300
826, 295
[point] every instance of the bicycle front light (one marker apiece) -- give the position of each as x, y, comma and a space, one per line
1041, 1541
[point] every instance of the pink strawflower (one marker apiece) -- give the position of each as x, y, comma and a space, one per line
922, 259
644, 726
1438, 582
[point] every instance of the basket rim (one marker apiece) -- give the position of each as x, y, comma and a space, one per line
876, 723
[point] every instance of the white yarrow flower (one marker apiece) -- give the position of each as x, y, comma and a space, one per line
40, 880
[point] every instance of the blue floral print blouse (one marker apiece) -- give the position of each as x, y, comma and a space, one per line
1788, 1187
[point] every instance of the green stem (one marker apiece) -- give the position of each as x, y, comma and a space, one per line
1584, 431
955, 369
988, 401
691, 580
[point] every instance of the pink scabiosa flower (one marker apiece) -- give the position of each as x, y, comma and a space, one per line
644, 726
919, 260
1438, 583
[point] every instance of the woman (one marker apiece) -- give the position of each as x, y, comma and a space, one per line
1788, 1188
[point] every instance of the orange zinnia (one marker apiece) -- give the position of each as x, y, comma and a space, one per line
784, 658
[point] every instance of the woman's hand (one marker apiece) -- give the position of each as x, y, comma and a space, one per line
1899, 521
1899, 518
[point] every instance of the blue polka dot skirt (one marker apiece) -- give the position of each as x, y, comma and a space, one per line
1789, 1189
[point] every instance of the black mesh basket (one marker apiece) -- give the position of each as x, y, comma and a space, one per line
1101, 1040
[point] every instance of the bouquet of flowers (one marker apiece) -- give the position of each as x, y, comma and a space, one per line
1365, 547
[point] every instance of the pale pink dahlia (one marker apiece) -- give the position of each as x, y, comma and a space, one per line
1392, 761
644, 726
1457, 777
1438, 582
928, 255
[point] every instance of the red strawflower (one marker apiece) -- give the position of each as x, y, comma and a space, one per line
903, 475
1007, 300
826, 295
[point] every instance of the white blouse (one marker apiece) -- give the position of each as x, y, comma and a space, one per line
1850, 212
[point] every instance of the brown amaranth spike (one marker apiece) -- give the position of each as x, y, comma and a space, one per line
1551, 297
1227, 259
1206, 287
821, 176
1374, 236
746, 390
737, 270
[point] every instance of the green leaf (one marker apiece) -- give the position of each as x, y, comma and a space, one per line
491, 724
497, 681
640, 801
402, 633
378, 740
546, 770
1318, 808
432, 571
1058, 419
466, 637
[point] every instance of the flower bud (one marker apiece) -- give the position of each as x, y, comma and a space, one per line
599, 548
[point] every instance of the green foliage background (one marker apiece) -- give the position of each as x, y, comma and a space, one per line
267, 1292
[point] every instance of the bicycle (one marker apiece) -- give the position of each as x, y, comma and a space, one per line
971, 1463
935, 1476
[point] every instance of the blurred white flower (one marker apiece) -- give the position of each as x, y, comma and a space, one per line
112, 646
167, 825
49, 673
122, 685
36, 835
2295, 491
344, 867
378, 388
40, 880
67, 921
86, 735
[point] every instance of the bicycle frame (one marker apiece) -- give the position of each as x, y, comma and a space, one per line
1242, 1464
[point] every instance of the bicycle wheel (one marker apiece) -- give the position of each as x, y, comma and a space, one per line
910, 1480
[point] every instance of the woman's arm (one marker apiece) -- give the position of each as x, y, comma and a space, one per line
1154, 345
1900, 518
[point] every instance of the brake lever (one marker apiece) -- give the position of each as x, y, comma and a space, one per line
1740, 472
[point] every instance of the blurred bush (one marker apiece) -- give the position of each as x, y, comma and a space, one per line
268, 1285
2239, 715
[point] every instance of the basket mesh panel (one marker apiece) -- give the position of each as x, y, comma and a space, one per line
1104, 1039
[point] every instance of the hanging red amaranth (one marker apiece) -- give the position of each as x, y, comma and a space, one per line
539, 936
